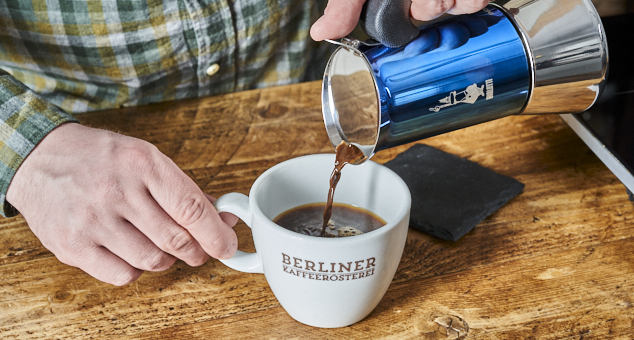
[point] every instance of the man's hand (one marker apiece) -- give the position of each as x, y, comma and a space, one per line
341, 16
115, 206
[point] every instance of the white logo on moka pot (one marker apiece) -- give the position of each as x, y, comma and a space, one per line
469, 95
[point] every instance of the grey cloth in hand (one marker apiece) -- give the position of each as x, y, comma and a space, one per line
450, 195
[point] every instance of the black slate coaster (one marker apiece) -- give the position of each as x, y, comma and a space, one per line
450, 195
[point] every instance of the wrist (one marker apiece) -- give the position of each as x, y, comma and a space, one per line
24, 177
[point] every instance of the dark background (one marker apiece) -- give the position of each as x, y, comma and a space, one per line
611, 118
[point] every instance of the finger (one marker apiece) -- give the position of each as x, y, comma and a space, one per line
452, 35
429, 9
147, 216
131, 245
476, 26
467, 6
183, 200
425, 42
229, 218
103, 265
339, 19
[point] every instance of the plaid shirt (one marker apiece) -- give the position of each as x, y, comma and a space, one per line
62, 56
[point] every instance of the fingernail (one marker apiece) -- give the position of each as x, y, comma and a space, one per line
230, 251
314, 30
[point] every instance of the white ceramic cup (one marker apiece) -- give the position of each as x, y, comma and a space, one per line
323, 282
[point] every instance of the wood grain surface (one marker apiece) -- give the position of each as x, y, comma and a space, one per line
556, 262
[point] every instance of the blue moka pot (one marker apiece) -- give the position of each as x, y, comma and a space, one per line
513, 57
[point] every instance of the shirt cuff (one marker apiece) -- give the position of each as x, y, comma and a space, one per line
25, 119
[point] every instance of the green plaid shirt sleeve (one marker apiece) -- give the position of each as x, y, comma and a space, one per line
81, 56
25, 118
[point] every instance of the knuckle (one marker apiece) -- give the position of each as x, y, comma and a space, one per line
472, 6
75, 240
191, 210
85, 217
439, 7
74, 246
139, 155
157, 262
222, 244
60, 247
429, 9
178, 242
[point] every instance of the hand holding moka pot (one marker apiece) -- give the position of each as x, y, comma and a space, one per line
535, 57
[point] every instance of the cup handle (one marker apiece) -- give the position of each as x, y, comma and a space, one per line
238, 204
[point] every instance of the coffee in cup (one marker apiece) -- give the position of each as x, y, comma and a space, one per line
323, 282
345, 220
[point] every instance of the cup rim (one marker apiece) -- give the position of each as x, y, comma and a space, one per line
256, 211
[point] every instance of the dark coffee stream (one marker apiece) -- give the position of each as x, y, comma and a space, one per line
346, 153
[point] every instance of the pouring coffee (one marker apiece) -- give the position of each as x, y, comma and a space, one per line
519, 57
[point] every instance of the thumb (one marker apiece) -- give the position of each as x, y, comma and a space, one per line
188, 206
228, 218
339, 19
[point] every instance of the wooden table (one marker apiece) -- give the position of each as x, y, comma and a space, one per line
557, 262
